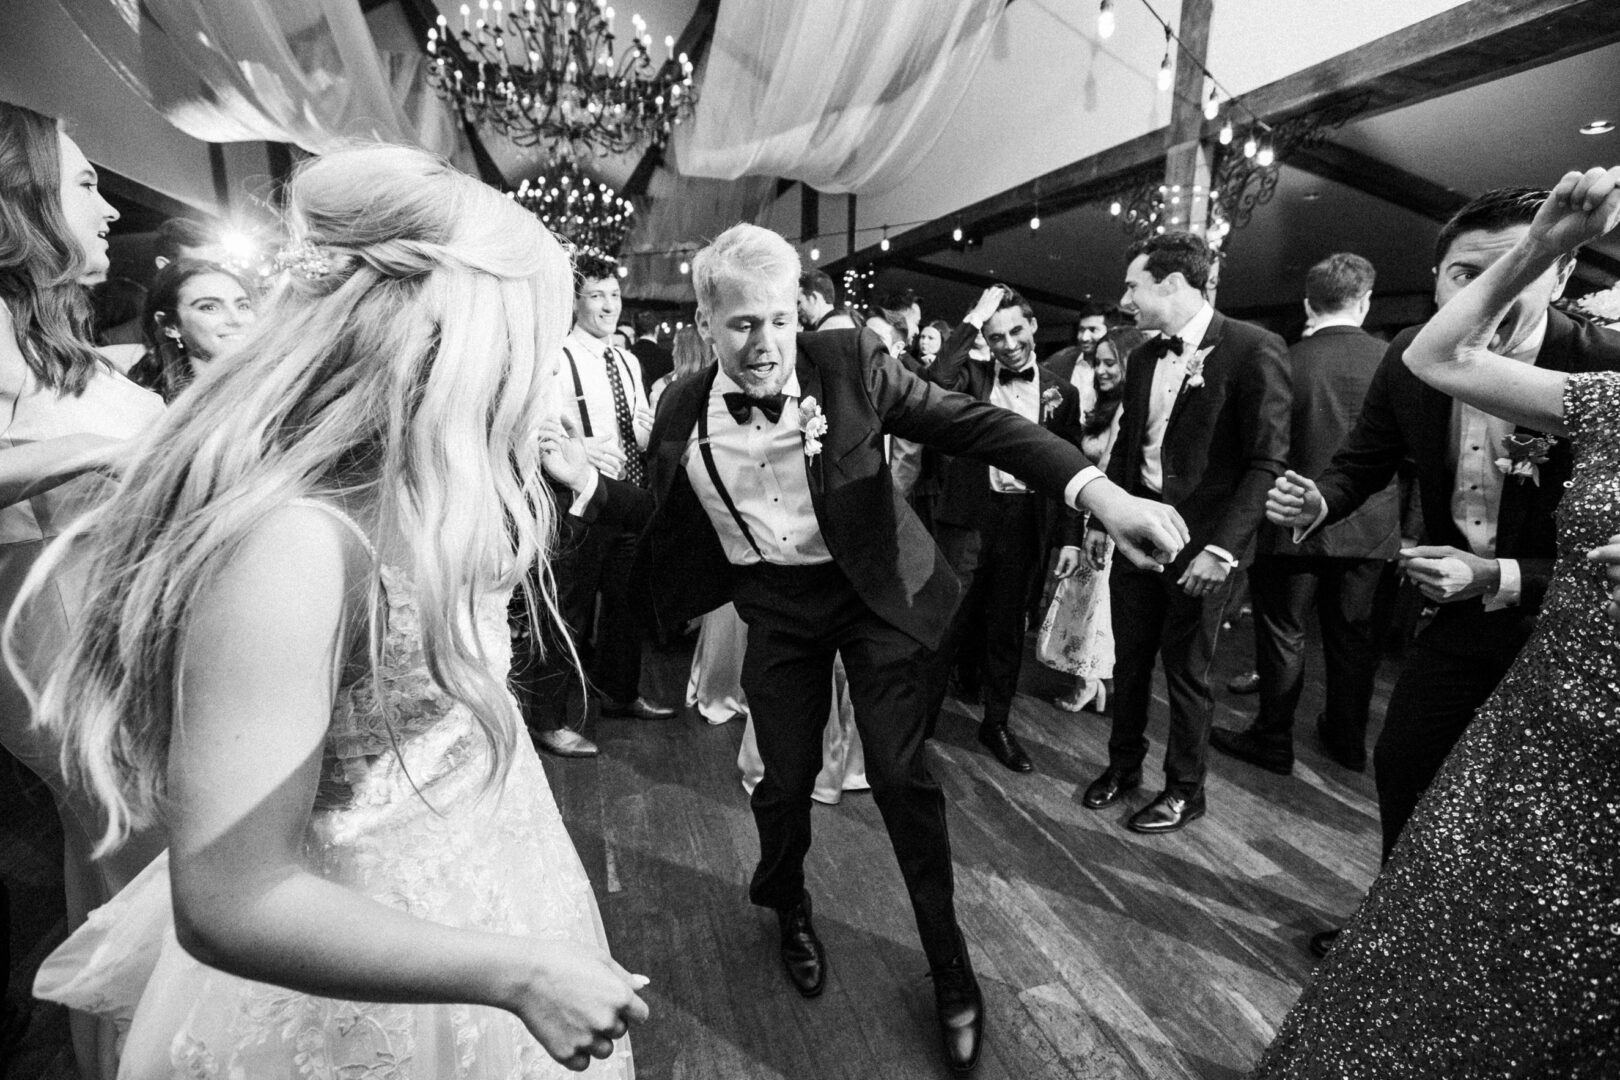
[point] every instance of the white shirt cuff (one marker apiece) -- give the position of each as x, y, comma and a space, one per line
583, 499
1222, 554
1510, 587
1071, 494
1301, 533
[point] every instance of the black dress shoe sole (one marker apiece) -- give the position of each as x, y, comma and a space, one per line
1155, 830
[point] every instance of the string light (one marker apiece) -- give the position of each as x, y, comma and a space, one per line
1250, 147
686, 268
1114, 208
884, 243
1226, 133
1167, 73
1212, 105
815, 254
956, 234
1105, 20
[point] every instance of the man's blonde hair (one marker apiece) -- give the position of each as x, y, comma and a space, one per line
746, 255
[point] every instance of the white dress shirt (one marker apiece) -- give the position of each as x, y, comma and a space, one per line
765, 471
1169, 378
1021, 396
591, 356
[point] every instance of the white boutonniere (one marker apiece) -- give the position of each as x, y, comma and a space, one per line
812, 426
1195, 368
1051, 398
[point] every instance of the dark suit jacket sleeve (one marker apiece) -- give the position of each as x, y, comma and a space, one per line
958, 424
1373, 451
949, 368
614, 502
1265, 418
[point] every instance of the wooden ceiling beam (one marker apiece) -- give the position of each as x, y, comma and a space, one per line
1471, 43
694, 42
1378, 178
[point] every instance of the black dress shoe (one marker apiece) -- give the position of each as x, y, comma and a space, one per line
1004, 745
1353, 758
1108, 789
639, 709
1247, 682
961, 1013
1321, 943
1247, 746
802, 954
1169, 812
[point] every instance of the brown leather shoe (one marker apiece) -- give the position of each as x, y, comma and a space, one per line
1169, 812
802, 954
1108, 789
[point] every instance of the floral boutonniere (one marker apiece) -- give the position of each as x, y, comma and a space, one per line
1195, 368
1523, 455
1051, 398
812, 425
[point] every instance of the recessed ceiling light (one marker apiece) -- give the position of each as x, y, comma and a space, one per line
1311, 196
1598, 127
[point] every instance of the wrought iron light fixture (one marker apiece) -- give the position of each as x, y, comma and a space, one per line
547, 72
590, 215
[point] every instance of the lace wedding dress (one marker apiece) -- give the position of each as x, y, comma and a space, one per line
406, 827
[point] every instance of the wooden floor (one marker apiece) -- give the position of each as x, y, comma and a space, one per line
1101, 953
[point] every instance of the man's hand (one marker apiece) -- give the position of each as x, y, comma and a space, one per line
1446, 575
1609, 554
1096, 548
1293, 501
1148, 533
1582, 207
1204, 575
604, 453
986, 307
1068, 562
563, 454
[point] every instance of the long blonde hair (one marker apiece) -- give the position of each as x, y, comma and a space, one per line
405, 362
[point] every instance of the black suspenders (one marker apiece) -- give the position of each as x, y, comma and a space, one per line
714, 478
579, 395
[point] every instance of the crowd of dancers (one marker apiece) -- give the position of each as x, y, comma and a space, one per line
282, 625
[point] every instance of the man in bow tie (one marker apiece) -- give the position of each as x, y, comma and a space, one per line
1203, 428
772, 491
991, 525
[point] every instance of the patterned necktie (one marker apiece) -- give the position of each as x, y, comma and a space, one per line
635, 469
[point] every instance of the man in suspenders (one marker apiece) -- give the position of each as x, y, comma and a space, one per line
610, 408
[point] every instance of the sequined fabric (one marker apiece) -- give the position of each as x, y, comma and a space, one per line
1490, 944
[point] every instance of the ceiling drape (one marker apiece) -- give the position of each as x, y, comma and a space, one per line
846, 101
305, 72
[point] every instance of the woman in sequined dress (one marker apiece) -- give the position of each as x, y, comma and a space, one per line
1489, 946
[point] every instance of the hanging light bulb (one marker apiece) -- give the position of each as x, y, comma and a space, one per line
815, 254
1114, 208
956, 234
1226, 133
1035, 221
884, 243
1167, 73
1265, 156
1105, 20
686, 267
1212, 105
1250, 147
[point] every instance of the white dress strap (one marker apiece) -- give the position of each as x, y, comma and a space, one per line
353, 526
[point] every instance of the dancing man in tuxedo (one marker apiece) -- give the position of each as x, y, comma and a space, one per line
1204, 428
1337, 570
991, 525
772, 491
1491, 536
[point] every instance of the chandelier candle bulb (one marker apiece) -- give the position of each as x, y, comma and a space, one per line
1265, 156
1226, 133
1250, 148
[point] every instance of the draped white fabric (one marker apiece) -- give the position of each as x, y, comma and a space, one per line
305, 72
846, 97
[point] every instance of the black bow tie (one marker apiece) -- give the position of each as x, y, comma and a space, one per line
1159, 346
1007, 375
741, 406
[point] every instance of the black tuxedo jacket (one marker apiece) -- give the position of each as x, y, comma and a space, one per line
1404, 416
1062, 362
1226, 441
1331, 371
656, 362
964, 499
874, 537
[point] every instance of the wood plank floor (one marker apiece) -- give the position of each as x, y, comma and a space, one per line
1102, 954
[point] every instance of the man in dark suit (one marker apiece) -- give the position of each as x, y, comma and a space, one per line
772, 491
656, 361
1204, 428
1336, 571
990, 525
1095, 320
1491, 538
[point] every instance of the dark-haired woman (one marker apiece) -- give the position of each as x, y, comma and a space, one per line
65, 417
196, 313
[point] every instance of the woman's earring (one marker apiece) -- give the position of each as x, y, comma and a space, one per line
173, 334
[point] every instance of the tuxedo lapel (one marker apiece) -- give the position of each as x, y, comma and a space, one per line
1211, 342
673, 429
810, 387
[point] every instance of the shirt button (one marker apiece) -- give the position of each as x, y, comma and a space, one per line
1476, 448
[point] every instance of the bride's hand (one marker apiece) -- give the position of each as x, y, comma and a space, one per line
1582, 207
563, 454
576, 1001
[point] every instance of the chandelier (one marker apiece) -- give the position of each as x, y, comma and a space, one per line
548, 73
588, 214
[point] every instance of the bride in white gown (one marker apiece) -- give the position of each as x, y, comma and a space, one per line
296, 654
